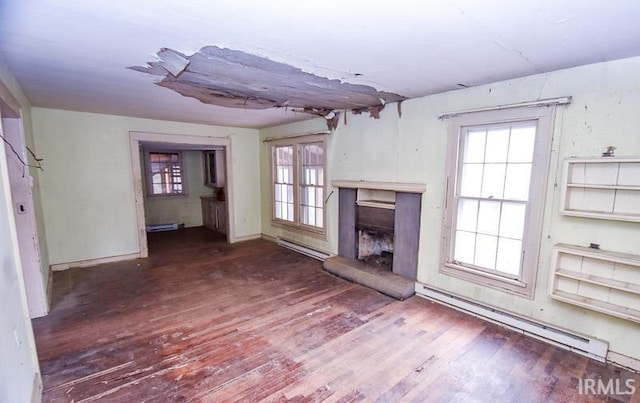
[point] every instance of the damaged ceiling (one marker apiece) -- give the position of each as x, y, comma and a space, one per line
235, 79
255, 64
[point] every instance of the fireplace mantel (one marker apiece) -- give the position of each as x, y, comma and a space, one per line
391, 186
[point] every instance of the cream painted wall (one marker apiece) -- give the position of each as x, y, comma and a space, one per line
87, 188
185, 210
413, 148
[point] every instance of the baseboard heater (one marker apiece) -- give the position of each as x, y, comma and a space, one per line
161, 227
590, 347
316, 254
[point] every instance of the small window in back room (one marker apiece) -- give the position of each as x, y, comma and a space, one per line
165, 173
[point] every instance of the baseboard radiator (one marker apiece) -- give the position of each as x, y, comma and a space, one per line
590, 347
162, 227
314, 253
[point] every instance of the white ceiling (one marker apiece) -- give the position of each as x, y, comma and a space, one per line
73, 54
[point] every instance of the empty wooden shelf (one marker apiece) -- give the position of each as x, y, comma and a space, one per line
604, 188
599, 280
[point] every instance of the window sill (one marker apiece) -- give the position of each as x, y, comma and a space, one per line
168, 196
495, 281
300, 229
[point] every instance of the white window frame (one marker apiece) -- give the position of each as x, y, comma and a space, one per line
149, 182
297, 143
524, 283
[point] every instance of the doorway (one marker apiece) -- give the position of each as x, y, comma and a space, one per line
168, 142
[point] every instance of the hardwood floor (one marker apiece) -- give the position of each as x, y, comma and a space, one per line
201, 320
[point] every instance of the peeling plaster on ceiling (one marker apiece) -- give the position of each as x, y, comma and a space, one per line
73, 54
236, 79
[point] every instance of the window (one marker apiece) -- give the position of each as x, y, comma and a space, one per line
299, 182
165, 173
496, 182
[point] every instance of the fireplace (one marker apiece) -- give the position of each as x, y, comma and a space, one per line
379, 224
375, 225
376, 248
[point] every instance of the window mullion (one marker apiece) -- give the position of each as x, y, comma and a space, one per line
296, 184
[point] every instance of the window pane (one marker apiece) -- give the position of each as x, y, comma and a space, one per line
517, 181
312, 182
474, 146
305, 217
512, 220
464, 247
467, 215
522, 143
489, 217
493, 180
319, 197
497, 145
165, 173
289, 190
486, 246
471, 180
509, 253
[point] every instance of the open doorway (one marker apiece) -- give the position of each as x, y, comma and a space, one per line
181, 182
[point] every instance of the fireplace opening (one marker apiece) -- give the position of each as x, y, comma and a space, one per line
376, 249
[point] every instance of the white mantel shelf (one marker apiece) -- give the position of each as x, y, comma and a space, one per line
392, 186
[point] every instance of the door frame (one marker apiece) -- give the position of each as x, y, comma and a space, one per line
12, 127
136, 137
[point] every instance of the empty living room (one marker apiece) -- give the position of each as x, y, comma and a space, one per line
330, 202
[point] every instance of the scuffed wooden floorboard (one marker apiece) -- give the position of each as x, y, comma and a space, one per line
201, 320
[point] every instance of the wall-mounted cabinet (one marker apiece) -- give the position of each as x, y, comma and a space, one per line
604, 188
214, 168
599, 280
214, 214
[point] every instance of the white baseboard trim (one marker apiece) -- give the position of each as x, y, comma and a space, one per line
49, 290
94, 262
36, 391
581, 344
632, 364
246, 238
269, 238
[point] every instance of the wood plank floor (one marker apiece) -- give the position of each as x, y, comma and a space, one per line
201, 320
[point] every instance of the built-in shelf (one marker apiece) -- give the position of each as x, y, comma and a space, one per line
599, 280
603, 188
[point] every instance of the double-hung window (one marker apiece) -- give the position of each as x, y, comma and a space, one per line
298, 183
165, 173
496, 183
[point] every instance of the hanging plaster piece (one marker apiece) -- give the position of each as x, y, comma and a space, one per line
172, 61
332, 123
374, 111
235, 79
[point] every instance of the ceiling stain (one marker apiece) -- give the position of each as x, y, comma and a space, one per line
236, 79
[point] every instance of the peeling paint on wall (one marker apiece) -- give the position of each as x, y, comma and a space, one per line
235, 79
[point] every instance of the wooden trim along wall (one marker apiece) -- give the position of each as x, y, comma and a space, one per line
136, 137
94, 262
